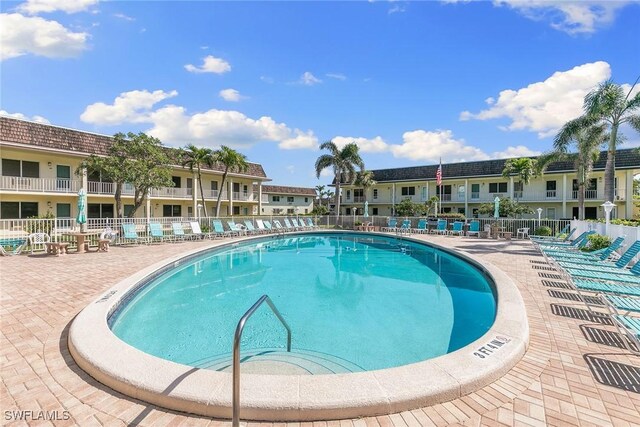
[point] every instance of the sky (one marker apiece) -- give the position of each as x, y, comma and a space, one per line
410, 82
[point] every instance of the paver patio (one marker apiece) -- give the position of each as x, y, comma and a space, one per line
576, 370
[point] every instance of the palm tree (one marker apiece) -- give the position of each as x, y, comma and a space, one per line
231, 160
524, 168
608, 105
320, 191
343, 161
365, 180
588, 142
195, 158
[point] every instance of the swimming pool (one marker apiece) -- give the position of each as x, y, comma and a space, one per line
293, 395
354, 303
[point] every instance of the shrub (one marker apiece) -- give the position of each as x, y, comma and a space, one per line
40, 226
543, 231
597, 241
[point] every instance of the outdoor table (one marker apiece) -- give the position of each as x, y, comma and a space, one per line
80, 237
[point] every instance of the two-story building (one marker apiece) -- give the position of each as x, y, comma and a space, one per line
467, 185
38, 175
283, 200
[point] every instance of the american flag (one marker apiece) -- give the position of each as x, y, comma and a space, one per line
439, 174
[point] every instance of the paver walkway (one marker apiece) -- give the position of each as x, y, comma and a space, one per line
575, 372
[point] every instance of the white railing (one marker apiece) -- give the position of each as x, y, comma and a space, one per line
40, 185
243, 197
172, 192
97, 187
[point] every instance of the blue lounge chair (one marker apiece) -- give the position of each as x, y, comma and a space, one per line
631, 276
600, 265
628, 326
392, 224
474, 228
578, 243
405, 227
442, 227
129, 234
311, 225
156, 233
235, 228
457, 228
178, 231
422, 226
278, 227
16, 245
288, 225
599, 255
218, 228
250, 228
268, 226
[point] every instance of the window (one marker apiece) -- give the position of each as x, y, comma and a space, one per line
348, 211
358, 193
63, 210
290, 211
474, 212
15, 210
497, 187
289, 199
551, 188
408, 191
306, 200
461, 211
176, 181
446, 210
461, 191
375, 193
551, 213
306, 211
63, 175
21, 168
236, 210
98, 210
374, 211
275, 198
277, 211
128, 209
348, 194
214, 185
172, 210
236, 188
475, 191
189, 182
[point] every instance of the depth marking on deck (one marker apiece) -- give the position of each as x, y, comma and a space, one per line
107, 296
491, 347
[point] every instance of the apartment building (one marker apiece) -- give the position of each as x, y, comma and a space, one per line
282, 200
467, 185
37, 175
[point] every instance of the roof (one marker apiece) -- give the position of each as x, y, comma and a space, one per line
51, 137
625, 159
281, 189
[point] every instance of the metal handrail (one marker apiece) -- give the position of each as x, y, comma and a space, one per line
236, 351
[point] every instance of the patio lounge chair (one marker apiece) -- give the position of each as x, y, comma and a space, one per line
236, 229
311, 225
600, 263
218, 228
178, 231
297, 225
578, 243
442, 227
197, 232
422, 226
269, 227
16, 245
392, 224
288, 225
250, 228
129, 234
562, 236
156, 232
627, 325
405, 227
474, 228
278, 227
457, 228
584, 257
631, 276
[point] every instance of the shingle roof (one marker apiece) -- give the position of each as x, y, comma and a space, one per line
625, 159
281, 189
57, 138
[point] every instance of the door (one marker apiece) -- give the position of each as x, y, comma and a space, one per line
63, 178
591, 212
63, 210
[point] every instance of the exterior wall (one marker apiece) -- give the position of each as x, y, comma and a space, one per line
559, 202
48, 190
283, 207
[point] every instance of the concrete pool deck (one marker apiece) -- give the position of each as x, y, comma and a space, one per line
575, 371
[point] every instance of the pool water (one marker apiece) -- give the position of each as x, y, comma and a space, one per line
372, 302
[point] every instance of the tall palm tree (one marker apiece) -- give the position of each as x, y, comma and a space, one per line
320, 191
524, 168
609, 105
365, 180
232, 161
588, 141
343, 161
195, 158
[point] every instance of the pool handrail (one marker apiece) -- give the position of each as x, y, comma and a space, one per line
235, 422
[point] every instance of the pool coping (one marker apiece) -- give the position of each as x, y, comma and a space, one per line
299, 397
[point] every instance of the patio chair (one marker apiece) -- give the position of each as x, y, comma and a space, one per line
268, 226
600, 263
597, 256
405, 227
178, 231
197, 232
238, 229
157, 233
218, 228
250, 228
474, 228
631, 276
392, 224
311, 225
277, 226
422, 226
457, 228
129, 234
38, 240
628, 326
562, 236
288, 225
442, 227
524, 232
16, 245
297, 225
577, 244
260, 227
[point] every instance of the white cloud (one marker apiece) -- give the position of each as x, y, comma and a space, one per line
124, 17
572, 17
430, 146
324, 173
309, 79
374, 145
33, 7
517, 151
130, 107
267, 79
36, 118
173, 125
21, 35
210, 64
230, 95
337, 76
543, 107
290, 168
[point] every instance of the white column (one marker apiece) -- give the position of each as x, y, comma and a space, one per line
230, 195
195, 189
148, 209
511, 187
564, 195
628, 195
393, 198
260, 198
466, 198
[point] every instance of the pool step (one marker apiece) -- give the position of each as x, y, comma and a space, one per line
278, 361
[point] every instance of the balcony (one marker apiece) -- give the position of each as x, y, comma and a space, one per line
39, 185
588, 194
358, 199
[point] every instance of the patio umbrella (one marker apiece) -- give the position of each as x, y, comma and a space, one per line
496, 211
366, 209
82, 207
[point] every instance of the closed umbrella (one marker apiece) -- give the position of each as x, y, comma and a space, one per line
366, 209
496, 212
82, 207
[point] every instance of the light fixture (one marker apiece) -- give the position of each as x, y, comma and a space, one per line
608, 207
50, 165
48, 204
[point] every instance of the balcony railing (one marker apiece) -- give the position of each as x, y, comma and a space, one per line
358, 199
552, 194
40, 185
588, 194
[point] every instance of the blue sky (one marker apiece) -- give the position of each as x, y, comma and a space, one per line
410, 82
